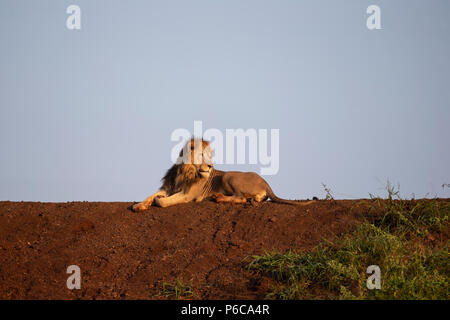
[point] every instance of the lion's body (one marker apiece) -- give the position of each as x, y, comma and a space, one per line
240, 187
198, 180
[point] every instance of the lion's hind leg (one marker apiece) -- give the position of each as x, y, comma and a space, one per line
233, 199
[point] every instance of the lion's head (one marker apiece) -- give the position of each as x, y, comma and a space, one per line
194, 164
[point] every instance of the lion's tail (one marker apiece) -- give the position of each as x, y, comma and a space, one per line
276, 199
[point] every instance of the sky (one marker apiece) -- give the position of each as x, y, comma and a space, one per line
87, 115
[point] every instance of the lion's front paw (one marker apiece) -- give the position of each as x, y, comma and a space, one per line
160, 202
139, 207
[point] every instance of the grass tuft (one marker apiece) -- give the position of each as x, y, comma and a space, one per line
412, 267
176, 290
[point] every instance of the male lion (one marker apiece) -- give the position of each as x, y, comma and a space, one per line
193, 178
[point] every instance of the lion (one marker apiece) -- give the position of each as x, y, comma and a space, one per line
193, 178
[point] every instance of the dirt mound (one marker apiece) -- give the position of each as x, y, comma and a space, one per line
130, 255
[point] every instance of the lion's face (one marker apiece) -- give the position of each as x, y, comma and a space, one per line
197, 159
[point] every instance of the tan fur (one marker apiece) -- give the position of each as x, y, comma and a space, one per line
240, 187
187, 182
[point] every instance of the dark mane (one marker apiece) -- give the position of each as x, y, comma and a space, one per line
179, 177
169, 179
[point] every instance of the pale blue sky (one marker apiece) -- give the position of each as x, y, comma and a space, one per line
82, 112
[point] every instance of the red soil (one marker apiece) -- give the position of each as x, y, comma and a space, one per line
129, 255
